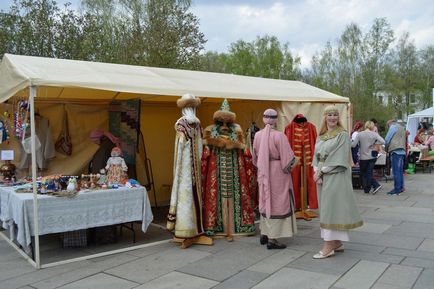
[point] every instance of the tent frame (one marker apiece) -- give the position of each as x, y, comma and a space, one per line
22, 72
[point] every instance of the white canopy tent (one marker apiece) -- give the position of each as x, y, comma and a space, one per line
65, 80
414, 119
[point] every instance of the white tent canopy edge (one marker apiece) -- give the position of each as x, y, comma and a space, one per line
414, 119
19, 72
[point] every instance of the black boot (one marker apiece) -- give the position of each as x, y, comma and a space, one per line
263, 239
275, 245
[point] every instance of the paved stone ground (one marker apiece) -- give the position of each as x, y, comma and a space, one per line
393, 250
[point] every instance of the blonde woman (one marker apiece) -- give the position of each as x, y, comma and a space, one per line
337, 205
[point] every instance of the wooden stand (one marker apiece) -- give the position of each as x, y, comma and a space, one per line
200, 240
304, 213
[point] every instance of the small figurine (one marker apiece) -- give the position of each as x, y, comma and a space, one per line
116, 167
72, 185
102, 177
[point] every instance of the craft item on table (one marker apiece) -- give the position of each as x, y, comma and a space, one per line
63, 194
21, 118
72, 185
102, 180
89, 181
8, 171
116, 167
132, 183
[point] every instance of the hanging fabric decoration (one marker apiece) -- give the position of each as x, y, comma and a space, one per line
63, 143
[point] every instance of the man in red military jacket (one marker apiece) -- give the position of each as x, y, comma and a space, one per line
302, 137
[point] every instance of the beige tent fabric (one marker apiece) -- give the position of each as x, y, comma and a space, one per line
86, 88
79, 79
82, 120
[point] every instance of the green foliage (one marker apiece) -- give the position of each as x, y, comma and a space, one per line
264, 57
365, 67
155, 32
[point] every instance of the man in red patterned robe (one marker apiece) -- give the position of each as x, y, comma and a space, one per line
302, 137
228, 179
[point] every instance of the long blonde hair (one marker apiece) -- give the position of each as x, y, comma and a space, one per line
327, 110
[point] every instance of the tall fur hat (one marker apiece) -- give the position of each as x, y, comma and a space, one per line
188, 100
224, 114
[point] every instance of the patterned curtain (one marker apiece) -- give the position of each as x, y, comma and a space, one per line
124, 123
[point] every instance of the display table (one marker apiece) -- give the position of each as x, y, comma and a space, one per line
62, 214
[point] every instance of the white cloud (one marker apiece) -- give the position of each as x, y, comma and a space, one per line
308, 25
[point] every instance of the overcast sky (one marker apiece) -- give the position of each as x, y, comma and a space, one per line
305, 25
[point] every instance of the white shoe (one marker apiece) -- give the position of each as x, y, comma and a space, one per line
341, 248
321, 255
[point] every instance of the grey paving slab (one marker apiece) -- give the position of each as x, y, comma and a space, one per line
7, 253
14, 267
100, 281
373, 228
373, 256
418, 262
222, 244
303, 230
369, 219
422, 201
292, 278
42, 274
97, 265
384, 201
336, 265
306, 244
178, 280
362, 275
420, 218
153, 266
237, 257
353, 246
426, 280
26, 287
398, 276
276, 261
150, 250
427, 245
243, 280
413, 229
409, 253
386, 240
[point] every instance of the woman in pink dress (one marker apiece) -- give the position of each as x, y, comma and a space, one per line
274, 158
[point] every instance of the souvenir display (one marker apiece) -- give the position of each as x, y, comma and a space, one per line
116, 167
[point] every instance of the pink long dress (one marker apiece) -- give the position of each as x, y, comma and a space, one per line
276, 203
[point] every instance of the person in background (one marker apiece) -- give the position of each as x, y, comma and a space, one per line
430, 141
419, 138
274, 158
395, 146
368, 139
375, 125
337, 205
358, 127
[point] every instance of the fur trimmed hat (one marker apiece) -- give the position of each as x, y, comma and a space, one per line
224, 114
188, 100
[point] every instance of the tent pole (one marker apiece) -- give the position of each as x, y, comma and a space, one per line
32, 95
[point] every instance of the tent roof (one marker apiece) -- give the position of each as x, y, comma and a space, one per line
429, 112
72, 79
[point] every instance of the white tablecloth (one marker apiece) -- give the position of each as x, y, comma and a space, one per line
62, 214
